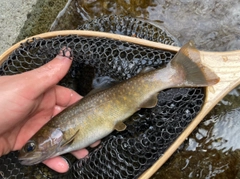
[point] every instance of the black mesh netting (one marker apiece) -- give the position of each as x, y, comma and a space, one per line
149, 132
132, 27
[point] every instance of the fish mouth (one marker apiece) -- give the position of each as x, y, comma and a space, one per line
29, 161
38, 157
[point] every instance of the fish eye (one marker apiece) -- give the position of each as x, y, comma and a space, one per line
30, 146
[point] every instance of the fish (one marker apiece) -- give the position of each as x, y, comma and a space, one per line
101, 112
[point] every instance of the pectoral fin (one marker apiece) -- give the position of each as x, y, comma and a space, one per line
120, 126
70, 140
151, 102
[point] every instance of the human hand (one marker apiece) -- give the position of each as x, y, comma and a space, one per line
29, 100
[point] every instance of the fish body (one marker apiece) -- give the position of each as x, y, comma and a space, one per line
98, 114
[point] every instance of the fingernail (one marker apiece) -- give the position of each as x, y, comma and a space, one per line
66, 52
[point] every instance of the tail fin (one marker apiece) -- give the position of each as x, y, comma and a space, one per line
189, 60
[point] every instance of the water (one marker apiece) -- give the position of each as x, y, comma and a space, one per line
212, 150
213, 25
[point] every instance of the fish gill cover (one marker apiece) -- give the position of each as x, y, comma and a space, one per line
149, 132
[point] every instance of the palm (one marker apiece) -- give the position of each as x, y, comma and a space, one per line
29, 100
26, 114
42, 110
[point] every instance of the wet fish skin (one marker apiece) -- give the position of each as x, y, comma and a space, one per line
98, 114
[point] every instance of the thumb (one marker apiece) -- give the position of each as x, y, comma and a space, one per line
39, 80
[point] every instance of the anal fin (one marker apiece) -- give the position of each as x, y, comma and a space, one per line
151, 102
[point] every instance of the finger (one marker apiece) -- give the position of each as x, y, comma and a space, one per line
57, 109
80, 153
66, 96
84, 152
44, 77
59, 164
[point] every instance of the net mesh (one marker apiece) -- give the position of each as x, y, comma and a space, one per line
149, 132
130, 26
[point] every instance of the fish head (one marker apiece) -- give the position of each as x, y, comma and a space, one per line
43, 145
